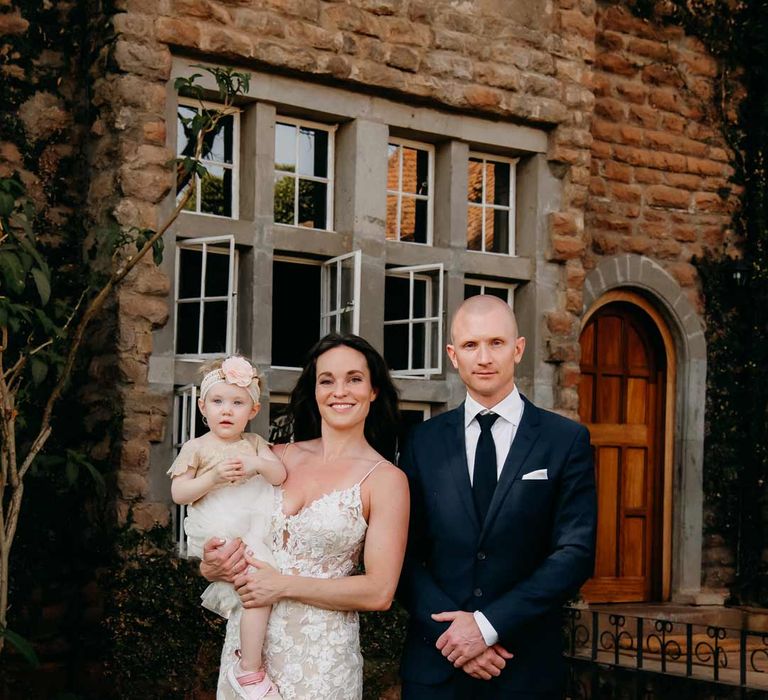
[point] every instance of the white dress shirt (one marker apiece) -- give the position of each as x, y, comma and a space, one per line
509, 411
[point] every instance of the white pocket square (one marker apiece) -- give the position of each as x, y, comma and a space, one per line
539, 474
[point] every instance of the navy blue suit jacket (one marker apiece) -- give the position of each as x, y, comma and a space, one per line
532, 553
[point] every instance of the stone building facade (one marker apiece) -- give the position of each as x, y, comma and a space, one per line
616, 175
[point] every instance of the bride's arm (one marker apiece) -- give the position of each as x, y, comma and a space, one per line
383, 558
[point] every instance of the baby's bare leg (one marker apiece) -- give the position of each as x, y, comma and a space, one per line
253, 629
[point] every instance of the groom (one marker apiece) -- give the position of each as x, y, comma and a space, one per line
502, 528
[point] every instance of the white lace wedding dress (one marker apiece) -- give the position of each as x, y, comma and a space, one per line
311, 653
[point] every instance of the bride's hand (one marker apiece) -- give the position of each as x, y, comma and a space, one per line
259, 585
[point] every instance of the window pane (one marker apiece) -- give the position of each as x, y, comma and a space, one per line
497, 230
474, 227
187, 325
347, 283
313, 152
410, 170
419, 346
420, 288
345, 322
216, 274
497, 182
391, 230
471, 290
184, 147
216, 191
285, 147
396, 346
393, 167
420, 234
190, 271
396, 298
422, 172
475, 182
285, 193
500, 292
312, 204
295, 312
215, 326
218, 144
408, 219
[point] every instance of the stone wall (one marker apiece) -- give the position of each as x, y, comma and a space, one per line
521, 61
628, 105
660, 170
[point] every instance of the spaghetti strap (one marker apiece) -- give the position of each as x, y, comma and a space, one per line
285, 449
370, 471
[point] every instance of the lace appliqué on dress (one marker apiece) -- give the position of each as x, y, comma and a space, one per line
311, 653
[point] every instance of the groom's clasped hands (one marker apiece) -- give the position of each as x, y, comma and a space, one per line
464, 646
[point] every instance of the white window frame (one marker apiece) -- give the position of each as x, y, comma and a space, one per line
483, 205
429, 198
330, 180
231, 298
333, 307
421, 272
184, 401
234, 166
485, 284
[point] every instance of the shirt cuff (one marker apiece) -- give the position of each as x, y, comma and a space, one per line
490, 635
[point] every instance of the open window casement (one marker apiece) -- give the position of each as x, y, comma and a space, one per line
340, 294
184, 429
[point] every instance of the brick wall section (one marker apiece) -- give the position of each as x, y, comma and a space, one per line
660, 169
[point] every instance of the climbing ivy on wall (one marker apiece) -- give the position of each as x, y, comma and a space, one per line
736, 290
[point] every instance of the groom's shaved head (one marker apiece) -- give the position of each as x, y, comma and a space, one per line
483, 305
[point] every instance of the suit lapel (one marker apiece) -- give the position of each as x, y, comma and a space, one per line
526, 436
457, 462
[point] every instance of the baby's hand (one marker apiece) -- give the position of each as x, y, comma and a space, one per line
251, 464
230, 471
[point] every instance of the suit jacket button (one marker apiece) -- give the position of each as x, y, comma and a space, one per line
481, 556
478, 592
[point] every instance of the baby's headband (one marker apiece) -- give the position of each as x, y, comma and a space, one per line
234, 370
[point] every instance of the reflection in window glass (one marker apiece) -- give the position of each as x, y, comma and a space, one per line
490, 204
216, 192
303, 183
408, 192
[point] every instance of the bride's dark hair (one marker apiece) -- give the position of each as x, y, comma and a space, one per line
303, 416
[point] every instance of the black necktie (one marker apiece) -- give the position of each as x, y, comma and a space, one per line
484, 478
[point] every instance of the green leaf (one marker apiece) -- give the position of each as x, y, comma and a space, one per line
12, 270
98, 478
71, 471
22, 646
39, 370
157, 251
43, 285
6, 203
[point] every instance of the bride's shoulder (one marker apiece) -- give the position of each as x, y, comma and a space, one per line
297, 450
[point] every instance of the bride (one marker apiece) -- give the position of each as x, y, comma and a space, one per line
341, 499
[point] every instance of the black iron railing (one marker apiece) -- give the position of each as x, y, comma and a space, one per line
703, 652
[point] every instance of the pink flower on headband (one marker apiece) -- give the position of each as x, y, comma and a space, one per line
238, 371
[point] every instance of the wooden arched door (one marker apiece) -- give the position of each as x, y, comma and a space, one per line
622, 402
